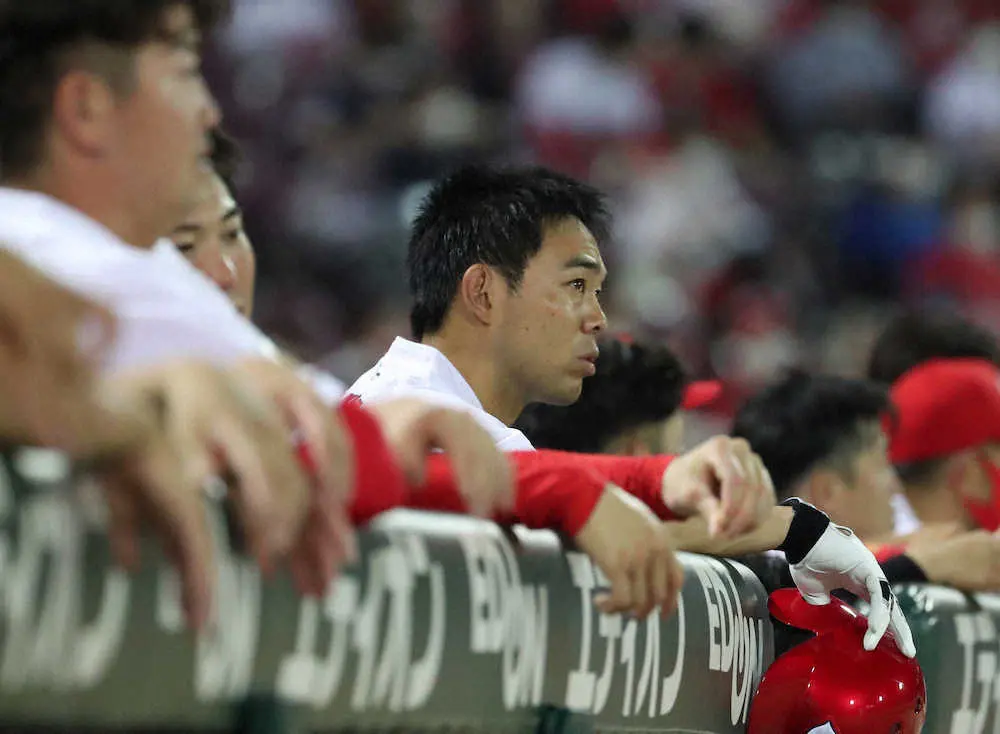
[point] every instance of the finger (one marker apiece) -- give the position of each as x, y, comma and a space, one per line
303, 563
340, 455
318, 560
816, 598
662, 578
903, 634
323, 432
676, 585
342, 530
468, 457
621, 594
123, 523
731, 476
710, 508
258, 470
748, 511
179, 513
298, 565
503, 492
616, 600
740, 498
640, 568
878, 615
410, 449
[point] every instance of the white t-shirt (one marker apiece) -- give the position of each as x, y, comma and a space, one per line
905, 520
415, 370
166, 308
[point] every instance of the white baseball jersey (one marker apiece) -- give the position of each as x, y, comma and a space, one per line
905, 520
166, 308
415, 370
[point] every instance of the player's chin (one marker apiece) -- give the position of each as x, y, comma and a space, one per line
567, 393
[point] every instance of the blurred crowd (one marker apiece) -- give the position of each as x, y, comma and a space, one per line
781, 171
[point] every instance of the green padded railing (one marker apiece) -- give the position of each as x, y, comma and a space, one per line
446, 624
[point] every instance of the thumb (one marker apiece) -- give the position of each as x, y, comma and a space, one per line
816, 598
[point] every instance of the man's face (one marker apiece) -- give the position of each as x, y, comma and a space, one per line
212, 238
162, 126
546, 332
865, 504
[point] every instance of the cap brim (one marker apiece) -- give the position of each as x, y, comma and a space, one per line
701, 394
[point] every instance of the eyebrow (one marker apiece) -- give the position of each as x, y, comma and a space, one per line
232, 213
187, 229
586, 262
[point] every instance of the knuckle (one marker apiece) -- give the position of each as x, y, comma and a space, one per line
740, 445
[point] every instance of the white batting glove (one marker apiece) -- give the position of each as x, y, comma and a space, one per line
824, 557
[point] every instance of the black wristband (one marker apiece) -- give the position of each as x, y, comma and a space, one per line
808, 524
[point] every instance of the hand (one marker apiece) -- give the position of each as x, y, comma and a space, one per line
839, 560
327, 451
51, 344
205, 423
413, 428
968, 562
633, 549
723, 481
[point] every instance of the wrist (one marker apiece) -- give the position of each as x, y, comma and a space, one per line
805, 529
669, 499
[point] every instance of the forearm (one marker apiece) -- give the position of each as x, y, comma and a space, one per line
639, 476
692, 536
551, 491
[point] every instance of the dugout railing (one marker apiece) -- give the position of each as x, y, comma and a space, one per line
447, 624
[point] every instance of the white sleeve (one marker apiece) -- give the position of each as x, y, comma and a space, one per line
330, 390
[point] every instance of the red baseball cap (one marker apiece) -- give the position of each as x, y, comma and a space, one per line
944, 406
701, 394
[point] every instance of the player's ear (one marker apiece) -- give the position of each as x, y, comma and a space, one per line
823, 488
477, 292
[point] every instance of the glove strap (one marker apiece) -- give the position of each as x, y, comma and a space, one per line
808, 524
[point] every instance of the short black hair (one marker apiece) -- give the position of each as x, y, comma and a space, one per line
493, 216
918, 334
634, 384
37, 38
803, 421
226, 158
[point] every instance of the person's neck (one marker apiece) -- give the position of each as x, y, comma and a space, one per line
95, 199
933, 504
473, 359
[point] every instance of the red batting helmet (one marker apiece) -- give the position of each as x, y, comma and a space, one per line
830, 683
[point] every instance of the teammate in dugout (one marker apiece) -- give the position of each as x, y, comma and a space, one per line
213, 240
505, 273
913, 337
824, 439
104, 123
556, 492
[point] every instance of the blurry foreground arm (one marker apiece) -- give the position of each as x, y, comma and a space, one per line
52, 343
205, 423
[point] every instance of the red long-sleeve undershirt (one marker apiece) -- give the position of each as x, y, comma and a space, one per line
553, 489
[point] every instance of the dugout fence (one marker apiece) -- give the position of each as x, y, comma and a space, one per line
447, 624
